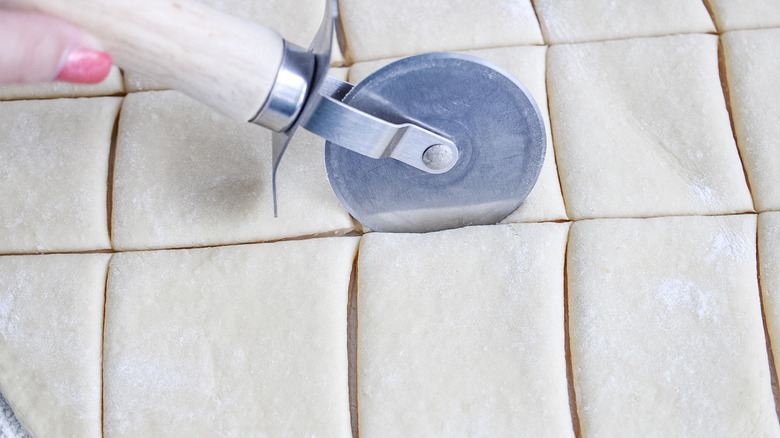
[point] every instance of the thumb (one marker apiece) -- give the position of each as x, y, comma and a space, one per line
36, 48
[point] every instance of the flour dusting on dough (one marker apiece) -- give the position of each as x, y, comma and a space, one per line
685, 295
727, 245
8, 318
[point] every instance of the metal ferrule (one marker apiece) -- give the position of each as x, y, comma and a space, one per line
289, 91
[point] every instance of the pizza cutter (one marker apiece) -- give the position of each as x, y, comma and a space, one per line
430, 142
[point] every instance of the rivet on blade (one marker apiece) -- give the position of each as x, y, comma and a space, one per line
438, 157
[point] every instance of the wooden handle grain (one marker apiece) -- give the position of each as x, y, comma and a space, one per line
223, 61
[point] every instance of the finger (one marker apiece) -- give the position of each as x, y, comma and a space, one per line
36, 48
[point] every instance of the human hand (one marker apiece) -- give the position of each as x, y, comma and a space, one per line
36, 48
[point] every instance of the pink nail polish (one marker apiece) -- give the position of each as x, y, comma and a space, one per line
85, 66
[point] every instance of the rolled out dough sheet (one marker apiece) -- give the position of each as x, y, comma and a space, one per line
526, 63
186, 176
753, 70
641, 129
379, 29
573, 21
745, 14
296, 21
51, 334
53, 174
461, 333
769, 269
665, 328
247, 340
113, 84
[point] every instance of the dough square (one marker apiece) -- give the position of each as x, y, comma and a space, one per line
573, 21
246, 340
376, 30
527, 64
752, 59
769, 270
51, 338
113, 84
461, 333
341, 73
744, 14
296, 22
54, 174
641, 129
665, 328
187, 176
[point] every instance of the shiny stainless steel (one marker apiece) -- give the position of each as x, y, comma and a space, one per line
289, 91
490, 116
319, 51
373, 137
319, 109
335, 88
439, 157
341, 37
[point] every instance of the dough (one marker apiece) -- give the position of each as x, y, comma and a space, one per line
572, 21
527, 64
339, 73
361, 70
138, 82
51, 328
769, 268
296, 21
641, 129
382, 29
460, 333
744, 14
247, 340
753, 66
111, 85
665, 328
54, 173
187, 176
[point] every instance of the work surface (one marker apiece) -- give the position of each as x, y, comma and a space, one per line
147, 290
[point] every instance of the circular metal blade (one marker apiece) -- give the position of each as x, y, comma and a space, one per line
490, 116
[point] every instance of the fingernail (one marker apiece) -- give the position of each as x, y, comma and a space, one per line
85, 66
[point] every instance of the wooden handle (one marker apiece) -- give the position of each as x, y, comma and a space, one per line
223, 61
